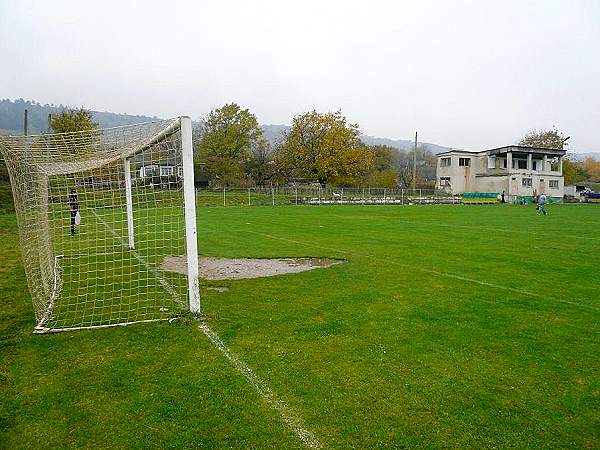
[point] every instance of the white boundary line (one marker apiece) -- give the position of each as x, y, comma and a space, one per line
291, 419
434, 272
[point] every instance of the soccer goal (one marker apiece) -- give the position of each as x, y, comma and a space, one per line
98, 211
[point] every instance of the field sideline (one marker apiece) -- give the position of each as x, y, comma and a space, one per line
448, 326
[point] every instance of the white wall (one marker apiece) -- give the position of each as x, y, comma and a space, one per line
464, 179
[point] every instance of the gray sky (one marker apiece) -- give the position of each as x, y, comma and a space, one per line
471, 75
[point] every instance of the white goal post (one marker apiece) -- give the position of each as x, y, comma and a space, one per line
98, 214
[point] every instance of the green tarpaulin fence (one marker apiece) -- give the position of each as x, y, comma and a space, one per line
480, 197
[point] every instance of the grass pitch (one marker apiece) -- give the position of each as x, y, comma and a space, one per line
449, 326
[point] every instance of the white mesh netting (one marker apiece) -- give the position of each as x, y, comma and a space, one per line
85, 266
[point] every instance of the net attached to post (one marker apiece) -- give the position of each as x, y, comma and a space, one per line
124, 186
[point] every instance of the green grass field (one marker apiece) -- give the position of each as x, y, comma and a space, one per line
448, 326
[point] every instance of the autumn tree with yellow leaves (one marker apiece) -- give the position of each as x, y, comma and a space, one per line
324, 148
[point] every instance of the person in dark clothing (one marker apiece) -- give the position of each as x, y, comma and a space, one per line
73, 209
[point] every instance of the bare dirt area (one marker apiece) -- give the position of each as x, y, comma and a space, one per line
238, 268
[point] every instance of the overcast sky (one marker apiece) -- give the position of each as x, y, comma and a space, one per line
470, 75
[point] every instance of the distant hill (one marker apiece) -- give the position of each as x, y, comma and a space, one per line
582, 156
274, 133
11, 116
403, 144
11, 122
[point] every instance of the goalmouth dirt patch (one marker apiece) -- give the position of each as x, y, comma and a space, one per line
238, 268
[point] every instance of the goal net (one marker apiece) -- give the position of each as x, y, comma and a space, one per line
98, 211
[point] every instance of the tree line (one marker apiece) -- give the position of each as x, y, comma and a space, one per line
11, 116
322, 148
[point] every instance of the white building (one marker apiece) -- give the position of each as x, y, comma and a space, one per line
513, 170
162, 170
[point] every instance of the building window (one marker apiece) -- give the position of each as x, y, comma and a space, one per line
444, 181
464, 162
180, 171
504, 163
445, 162
149, 171
519, 164
166, 171
536, 164
553, 184
527, 182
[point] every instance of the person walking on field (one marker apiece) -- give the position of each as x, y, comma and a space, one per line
541, 205
73, 209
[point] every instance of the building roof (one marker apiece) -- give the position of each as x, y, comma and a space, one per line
457, 151
526, 149
506, 149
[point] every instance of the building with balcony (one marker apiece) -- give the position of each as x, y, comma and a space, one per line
514, 170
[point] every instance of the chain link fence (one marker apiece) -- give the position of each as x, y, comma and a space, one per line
315, 195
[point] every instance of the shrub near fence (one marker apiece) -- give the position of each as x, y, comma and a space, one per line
311, 195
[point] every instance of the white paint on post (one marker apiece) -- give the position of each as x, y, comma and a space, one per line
189, 193
129, 202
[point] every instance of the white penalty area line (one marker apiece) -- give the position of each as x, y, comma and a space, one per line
291, 419
483, 227
434, 272
503, 230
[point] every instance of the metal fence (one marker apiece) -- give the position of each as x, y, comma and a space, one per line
315, 195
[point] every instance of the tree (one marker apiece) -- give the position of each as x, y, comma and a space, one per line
592, 167
426, 167
544, 139
573, 170
72, 120
228, 135
324, 148
384, 157
383, 171
260, 167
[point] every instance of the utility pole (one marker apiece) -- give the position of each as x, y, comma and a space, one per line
49, 122
415, 165
25, 123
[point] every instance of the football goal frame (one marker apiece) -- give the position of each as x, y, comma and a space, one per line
98, 211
